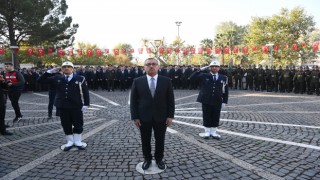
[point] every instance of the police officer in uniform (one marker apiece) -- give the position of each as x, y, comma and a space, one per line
299, 79
72, 99
238, 74
274, 79
249, 78
213, 95
314, 82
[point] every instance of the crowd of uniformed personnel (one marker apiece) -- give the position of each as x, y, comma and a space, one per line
110, 78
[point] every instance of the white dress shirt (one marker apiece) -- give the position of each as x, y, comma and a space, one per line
70, 76
155, 80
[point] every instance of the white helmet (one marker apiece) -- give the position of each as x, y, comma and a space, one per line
67, 63
214, 63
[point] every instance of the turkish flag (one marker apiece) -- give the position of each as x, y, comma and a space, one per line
89, 52
140, 50
193, 50
245, 50
116, 52
208, 50
315, 46
169, 50
265, 49
79, 52
40, 52
294, 47
148, 50
254, 48
185, 51
98, 52
123, 50
106, 51
217, 50
161, 50
131, 50
275, 47
235, 50
1, 51
303, 44
70, 52
177, 50
200, 50
60, 52
49, 50
30, 51
226, 50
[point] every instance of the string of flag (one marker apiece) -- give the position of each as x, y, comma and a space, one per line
162, 50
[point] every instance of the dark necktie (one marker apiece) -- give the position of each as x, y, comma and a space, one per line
214, 77
67, 78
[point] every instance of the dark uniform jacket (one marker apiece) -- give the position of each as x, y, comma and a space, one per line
69, 94
212, 93
3, 94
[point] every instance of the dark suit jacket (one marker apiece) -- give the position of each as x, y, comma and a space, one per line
146, 108
211, 92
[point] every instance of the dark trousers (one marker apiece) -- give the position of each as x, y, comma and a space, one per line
238, 80
2, 116
71, 117
159, 129
52, 95
249, 83
211, 115
14, 98
110, 85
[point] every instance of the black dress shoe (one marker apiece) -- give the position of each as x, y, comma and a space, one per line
146, 165
81, 147
67, 148
6, 133
161, 165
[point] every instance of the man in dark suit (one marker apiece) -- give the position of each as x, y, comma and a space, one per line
152, 107
72, 99
213, 95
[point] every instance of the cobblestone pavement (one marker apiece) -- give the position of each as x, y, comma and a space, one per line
264, 136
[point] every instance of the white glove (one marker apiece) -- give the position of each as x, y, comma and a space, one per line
54, 70
223, 105
204, 68
84, 108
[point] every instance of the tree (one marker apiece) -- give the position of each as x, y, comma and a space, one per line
36, 22
229, 34
283, 30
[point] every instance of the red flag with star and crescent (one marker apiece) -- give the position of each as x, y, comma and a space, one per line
40, 52
30, 51
60, 52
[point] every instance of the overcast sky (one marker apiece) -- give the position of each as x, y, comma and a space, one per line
109, 22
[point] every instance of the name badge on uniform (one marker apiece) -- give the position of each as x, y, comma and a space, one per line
77, 82
207, 79
59, 81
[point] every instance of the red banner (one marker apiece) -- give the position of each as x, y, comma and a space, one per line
131, 50
2, 51
98, 52
217, 50
30, 51
185, 51
208, 50
148, 50
200, 50
89, 52
60, 52
254, 48
116, 52
245, 50
169, 50
226, 50
303, 44
106, 51
79, 52
140, 50
161, 50
40, 52
49, 50
192, 50
123, 50
265, 49
294, 47
235, 50
275, 47
315, 46
176, 50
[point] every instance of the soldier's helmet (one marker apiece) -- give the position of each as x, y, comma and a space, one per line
280, 67
274, 67
67, 63
287, 67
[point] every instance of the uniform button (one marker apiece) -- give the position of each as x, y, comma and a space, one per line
66, 97
66, 88
67, 84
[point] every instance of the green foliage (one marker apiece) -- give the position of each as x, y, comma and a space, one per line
283, 29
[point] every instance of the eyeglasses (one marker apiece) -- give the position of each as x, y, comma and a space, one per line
151, 64
66, 66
